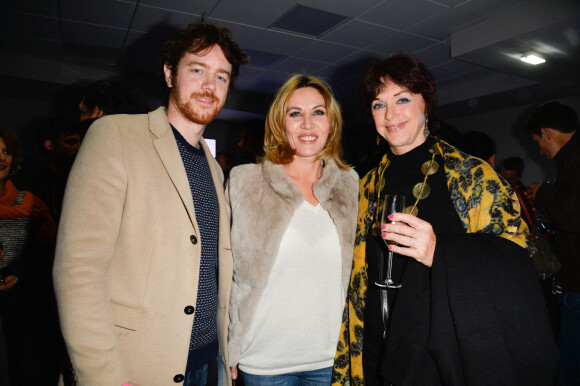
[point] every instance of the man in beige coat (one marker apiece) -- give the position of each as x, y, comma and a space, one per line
143, 265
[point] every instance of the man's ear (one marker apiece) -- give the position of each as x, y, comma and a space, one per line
48, 145
546, 133
99, 112
168, 75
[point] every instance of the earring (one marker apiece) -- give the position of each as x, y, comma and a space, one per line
378, 140
426, 132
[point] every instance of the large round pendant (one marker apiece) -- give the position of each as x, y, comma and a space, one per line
429, 167
421, 190
412, 210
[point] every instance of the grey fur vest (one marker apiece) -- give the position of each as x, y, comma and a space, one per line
262, 200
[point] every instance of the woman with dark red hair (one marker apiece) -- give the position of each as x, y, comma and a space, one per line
461, 281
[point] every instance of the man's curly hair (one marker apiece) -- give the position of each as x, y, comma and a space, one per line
198, 37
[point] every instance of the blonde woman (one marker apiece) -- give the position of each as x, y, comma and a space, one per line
293, 226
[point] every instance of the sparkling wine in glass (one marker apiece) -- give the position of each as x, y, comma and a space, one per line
394, 203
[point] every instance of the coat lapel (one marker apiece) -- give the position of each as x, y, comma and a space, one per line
166, 147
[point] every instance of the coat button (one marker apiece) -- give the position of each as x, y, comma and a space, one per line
189, 310
178, 378
193, 239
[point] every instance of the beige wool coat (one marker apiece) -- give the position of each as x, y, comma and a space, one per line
128, 255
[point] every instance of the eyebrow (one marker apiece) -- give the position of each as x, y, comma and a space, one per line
395, 95
299, 108
202, 64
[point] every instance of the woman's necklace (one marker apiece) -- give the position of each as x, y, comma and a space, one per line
420, 191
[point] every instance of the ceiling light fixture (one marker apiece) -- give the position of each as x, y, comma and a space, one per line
532, 59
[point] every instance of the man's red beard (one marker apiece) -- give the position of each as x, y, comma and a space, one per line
186, 107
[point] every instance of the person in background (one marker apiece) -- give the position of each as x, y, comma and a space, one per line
59, 140
26, 228
143, 264
478, 144
110, 96
293, 223
251, 144
461, 254
554, 127
226, 161
512, 169
449, 133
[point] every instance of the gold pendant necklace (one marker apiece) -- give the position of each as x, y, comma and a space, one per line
420, 191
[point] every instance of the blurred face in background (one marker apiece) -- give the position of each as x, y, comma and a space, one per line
548, 146
66, 146
5, 161
511, 176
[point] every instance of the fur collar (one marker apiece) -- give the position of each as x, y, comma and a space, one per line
263, 200
275, 176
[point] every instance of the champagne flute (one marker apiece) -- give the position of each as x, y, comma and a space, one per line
394, 203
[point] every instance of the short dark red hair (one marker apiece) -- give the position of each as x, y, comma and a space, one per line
406, 71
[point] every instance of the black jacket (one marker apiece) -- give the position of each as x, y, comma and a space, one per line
488, 323
560, 202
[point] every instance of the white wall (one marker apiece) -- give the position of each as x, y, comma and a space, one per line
507, 128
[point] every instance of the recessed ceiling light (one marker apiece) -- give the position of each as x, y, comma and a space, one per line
532, 59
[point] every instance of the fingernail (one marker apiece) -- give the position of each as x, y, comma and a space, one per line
390, 217
383, 235
383, 226
390, 247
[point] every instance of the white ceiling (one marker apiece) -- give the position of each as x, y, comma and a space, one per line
472, 46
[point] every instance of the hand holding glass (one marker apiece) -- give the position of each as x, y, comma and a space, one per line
394, 203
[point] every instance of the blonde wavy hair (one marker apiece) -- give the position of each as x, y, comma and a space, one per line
276, 146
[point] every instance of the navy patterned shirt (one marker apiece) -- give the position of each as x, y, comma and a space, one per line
203, 347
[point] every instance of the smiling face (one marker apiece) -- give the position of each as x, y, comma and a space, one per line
306, 122
199, 85
5, 161
399, 117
